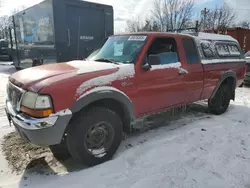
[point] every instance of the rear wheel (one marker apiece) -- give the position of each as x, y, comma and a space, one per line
95, 136
220, 102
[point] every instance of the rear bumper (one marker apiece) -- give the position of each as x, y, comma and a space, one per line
40, 132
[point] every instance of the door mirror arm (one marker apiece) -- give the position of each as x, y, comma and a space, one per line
152, 60
146, 66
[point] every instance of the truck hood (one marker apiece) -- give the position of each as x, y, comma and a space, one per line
31, 76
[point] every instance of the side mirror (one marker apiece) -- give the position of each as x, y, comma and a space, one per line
154, 60
146, 66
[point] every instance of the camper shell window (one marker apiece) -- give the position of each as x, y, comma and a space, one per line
227, 50
234, 50
222, 50
207, 49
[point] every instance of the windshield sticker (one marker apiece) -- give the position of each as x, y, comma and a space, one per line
137, 38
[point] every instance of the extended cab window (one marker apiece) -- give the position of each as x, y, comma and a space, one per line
166, 48
190, 50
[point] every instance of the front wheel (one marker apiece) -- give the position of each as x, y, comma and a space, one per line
60, 151
220, 102
95, 136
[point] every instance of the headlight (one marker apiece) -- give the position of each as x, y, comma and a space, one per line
43, 102
36, 105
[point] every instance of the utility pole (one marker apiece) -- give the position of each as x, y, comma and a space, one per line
204, 13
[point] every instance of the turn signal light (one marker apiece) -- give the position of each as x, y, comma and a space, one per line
36, 113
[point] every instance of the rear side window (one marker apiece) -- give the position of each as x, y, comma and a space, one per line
190, 51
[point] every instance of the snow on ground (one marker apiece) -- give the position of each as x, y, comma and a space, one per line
204, 151
5, 70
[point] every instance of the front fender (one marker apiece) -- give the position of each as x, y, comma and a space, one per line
104, 92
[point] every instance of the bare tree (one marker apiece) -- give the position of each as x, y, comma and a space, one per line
158, 13
165, 15
139, 26
150, 25
4, 22
134, 25
16, 10
219, 18
172, 14
244, 24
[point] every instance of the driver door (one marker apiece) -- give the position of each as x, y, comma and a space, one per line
160, 86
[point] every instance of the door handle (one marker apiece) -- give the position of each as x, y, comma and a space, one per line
69, 42
182, 71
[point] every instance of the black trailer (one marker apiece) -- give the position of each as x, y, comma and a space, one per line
5, 53
59, 30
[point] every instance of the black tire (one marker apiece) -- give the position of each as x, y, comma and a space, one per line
79, 137
219, 104
60, 151
18, 68
241, 85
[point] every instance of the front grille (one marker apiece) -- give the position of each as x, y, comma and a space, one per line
14, 95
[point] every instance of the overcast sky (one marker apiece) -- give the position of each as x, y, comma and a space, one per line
126, 9
242, 8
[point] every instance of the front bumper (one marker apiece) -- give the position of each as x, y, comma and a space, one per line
39, 131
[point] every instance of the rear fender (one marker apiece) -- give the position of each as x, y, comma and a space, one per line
222, 79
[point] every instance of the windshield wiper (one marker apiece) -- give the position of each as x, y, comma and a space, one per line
107, 60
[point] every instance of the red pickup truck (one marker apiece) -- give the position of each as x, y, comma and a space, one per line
88, 104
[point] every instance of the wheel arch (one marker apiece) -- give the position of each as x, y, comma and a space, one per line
108, 97
227, 78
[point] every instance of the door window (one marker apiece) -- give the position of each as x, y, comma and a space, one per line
166, 49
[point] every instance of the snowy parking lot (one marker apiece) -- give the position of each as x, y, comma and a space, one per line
197, 150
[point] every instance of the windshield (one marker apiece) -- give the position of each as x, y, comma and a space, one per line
121, 49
